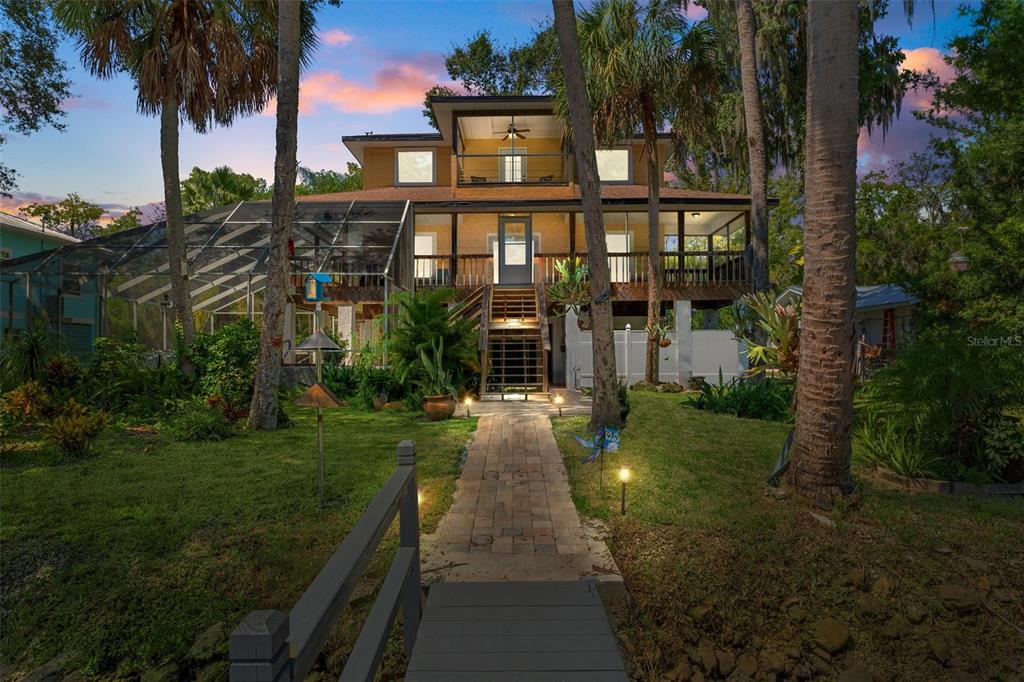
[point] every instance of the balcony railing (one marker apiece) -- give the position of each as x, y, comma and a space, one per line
513, 169
693, 268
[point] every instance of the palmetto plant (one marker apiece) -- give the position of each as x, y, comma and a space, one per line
428, 319
644, 64
26, 353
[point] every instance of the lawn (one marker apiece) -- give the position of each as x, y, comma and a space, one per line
118, 562
724, 575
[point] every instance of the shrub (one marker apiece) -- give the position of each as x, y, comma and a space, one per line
225, 362
753, 399
1003, 448
25, 353
119, 379
378, 383
427, 317
73, 431
200, 419
343, 380
62, 374
884, 445
26, 404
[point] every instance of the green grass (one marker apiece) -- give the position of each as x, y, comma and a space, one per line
120, 560
700, 530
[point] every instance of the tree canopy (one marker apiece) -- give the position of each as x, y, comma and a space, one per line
72, 215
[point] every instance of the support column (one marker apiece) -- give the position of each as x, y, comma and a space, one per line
684, 339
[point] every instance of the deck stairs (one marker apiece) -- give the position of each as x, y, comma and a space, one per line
514, 343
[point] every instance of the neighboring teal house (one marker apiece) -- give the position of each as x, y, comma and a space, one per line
66, 301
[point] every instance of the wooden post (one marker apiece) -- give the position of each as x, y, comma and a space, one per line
409, 534
259, 650
454, 267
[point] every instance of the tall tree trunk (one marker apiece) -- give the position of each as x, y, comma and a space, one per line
181, 297
651, 372
753, 115
605, 407
821, 452
264, 408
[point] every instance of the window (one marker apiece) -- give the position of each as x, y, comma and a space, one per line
613, 165
414, 167
513, 164
425, 245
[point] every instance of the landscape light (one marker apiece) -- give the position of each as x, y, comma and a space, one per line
419, 498
624, 475
558, 401
467, 402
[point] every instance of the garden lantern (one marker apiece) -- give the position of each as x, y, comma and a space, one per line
318, 396
625, 473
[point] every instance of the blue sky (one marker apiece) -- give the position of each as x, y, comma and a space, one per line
375, 61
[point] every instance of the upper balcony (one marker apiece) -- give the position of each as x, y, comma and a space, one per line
510, 149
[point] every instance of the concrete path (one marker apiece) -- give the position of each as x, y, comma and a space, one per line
513, 518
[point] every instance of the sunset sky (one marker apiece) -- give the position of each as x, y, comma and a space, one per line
374, 64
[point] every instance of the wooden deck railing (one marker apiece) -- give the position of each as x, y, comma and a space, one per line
271, 646
692, 268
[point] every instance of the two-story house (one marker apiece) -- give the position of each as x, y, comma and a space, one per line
496, 204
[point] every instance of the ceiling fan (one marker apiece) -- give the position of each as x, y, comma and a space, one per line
513, 132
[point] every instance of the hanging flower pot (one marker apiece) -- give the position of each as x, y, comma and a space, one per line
664, 343
583, 319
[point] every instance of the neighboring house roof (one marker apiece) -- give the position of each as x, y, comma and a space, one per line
554, 195
17, 224
872, 297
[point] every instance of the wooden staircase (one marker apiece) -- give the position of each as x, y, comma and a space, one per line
514, 342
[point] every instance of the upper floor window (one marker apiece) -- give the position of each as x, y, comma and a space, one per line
613, 165
415, 167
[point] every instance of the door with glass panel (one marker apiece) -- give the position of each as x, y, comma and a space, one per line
515, 250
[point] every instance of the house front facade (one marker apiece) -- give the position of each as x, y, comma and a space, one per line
496, 204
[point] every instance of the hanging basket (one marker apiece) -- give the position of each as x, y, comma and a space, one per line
583, 319
664, 343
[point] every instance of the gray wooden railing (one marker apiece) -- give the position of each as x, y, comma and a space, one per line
271, 646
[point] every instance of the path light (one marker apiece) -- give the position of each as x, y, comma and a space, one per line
419, 498
625, 473
468, 402
558, 401
318, 396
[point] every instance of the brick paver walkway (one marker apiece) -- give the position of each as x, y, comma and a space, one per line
513, 517
513, 495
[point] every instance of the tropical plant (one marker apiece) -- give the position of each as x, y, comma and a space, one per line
342, 379
605, 406
329, 181
772, 334
428, 317
26, 352
662, 327
643, 63
63, 374
769, 399
73, 431
378, 384
120, 379
225, 362
435, 379
26, 404
196, 419
886, 445
570, 291
203, 190
820, 456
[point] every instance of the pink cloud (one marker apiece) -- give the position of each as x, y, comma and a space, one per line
923, 59
394, 87
693, 12
335, 37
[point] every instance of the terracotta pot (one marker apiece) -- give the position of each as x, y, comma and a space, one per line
664, 343
439, 407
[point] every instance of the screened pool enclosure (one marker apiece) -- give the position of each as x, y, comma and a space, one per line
119, 284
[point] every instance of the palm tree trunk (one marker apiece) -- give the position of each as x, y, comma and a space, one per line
651, 372
605, 407
181, 297
754, 118
821, 452
264, 408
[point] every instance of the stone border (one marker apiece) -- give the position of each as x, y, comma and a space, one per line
929, 485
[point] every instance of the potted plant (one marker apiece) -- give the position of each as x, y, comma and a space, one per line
436, 385
571, 291
659, 332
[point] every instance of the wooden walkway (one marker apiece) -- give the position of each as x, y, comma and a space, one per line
535, 631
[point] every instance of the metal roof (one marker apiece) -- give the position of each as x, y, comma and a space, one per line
870, 297
19, 224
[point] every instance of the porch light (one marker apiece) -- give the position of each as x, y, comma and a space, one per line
624, 475
695, 214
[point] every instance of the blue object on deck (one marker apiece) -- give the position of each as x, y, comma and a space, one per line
606, 440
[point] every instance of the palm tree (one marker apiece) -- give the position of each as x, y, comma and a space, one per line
207, 61
605, 409
754, 118
264, 408
643, 63
820, 465
203, 190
